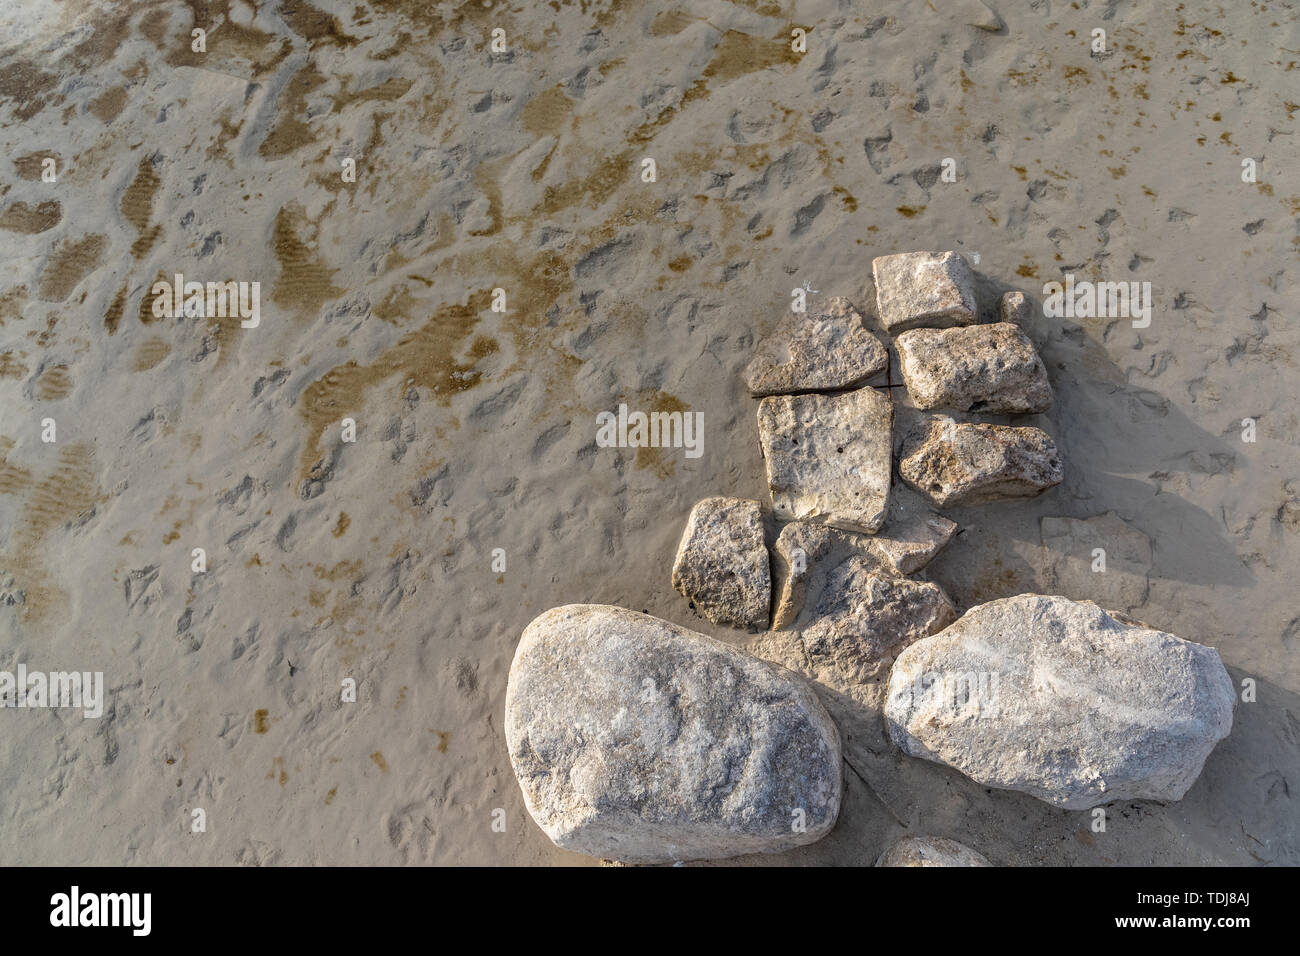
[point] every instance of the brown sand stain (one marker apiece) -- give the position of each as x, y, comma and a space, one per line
329, 797
149, 353
681, 263
11, 304
341, 526
304, 281
290, 132
229, 44
444, 738
54, 383
145, 312
107, 105
668, 23
1027, 271
314, 25
11, 366
70, 262
20, 217
65, 493
137, 207
380, 762
278, 772
909, 212
261, 721
391, 89
31, 166
547, 112
847, 199
425, 358
662, 461
26, 86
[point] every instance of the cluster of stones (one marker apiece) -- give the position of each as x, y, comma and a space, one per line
635, 739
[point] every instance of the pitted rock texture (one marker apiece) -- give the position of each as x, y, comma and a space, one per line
722, 563
634, 739
816, 351
923, 289
953, 463
930, 851
987, 368
1061, 700
829, 456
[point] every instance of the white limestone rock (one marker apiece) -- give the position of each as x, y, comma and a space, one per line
722, 563
930, 289
817, 351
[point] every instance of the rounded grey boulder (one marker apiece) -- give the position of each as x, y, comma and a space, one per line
1061, 700
637, 740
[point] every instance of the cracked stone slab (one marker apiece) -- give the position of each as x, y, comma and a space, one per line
634, 739
823, 350
1117, 577
1061, 700
955, 463
829, 457
930, 851
988, 368
722, 563
930, 289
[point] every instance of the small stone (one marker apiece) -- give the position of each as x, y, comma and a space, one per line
913, 289
637, 740
816, 351
829, 456
953, 463
930, 851
987, 368
913, 534
722, 563
1014, 307
1062, 700
1101, 559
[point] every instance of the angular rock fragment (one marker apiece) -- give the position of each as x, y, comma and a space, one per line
829, 456
816, 351
930, 851
637, 740
913, 534
722, 563
914, 289
1014, 307
1061, 700
953, 463
1101, 559
988, 368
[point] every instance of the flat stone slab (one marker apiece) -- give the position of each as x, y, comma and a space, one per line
913, 534
634, 739
722, 563
1061, 700
829, 456
923, 289
1102, 559
819, 351
987, 368
930, 851
953, 463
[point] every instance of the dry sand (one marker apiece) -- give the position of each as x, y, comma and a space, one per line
475, 429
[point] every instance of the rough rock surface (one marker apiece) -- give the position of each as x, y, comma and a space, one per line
1070, 564
816, 351
722, 563
988, 368
829, 456
638, 740
953, 463
930, 851
1015, 307
913, 534
933, 289
1061, 700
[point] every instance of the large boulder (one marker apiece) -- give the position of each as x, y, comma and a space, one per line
722, 563
818, 351
637, 740
829, 456
961, 463
930, 851
1061, 700
986, 368
932, 289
